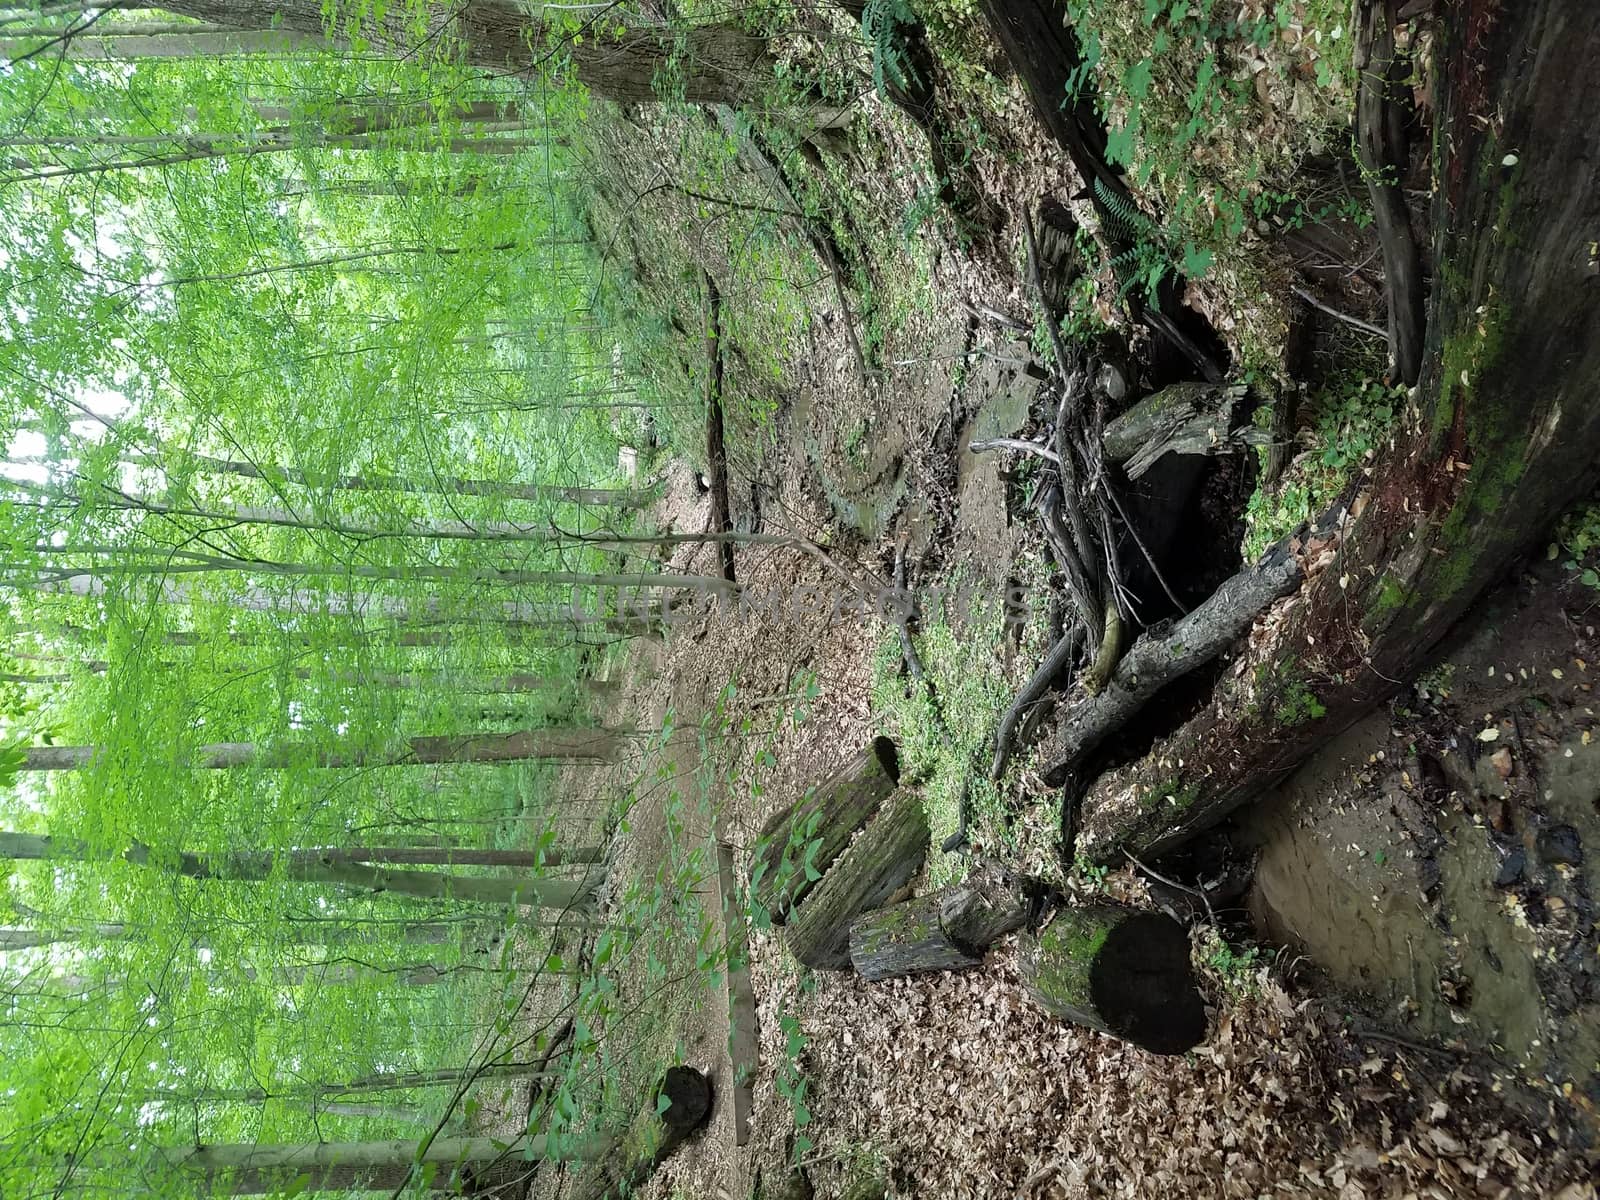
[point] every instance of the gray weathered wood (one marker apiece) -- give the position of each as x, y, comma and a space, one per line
1155, 662
946, 930
1121, 971
1186, 418
829, 816
883, 859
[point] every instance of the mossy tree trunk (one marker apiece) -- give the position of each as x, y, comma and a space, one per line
1503, 437
1120, 971
801, 841
877, 864
947, 930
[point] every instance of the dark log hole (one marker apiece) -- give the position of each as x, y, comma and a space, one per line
688, 1094
1142, 985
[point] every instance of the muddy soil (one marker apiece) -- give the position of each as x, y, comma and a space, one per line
1439, 861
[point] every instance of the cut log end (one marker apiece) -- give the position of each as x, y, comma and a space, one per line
1124, 973
688, 1094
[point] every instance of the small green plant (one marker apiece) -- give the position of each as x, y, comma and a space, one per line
1299, 705
791, 1083
882, 22
1577, 537
1093, 874
1352, 423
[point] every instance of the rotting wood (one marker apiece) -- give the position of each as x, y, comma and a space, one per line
1154, 662
716, 442
1498, 440
828, 817
1121, 971
883, 859
950, 929
1184, 418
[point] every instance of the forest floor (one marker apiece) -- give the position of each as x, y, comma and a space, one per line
1402, 1000
1419, 1036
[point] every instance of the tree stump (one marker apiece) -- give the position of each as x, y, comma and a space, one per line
1119, 971
947, 930
652, 1136
882, 860
827, 818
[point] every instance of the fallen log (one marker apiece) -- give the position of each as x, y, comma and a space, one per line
1185, 418
1119, 971
1154, 662
801, 841
947, 930
877, 864
1501, 437
652, 1136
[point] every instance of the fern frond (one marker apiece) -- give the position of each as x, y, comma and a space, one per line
1131, 224
881, 21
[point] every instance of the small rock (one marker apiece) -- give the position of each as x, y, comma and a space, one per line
1561, 845
1511, 869
1501, 759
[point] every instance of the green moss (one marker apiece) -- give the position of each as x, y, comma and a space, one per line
1172, 792
1067, 949
1392, 596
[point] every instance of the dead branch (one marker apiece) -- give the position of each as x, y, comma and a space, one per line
1154, 662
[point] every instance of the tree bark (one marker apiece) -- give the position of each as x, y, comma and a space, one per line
523, 745
1122, 972
947, 930
876, 865
783, 860
1503, 438
716, 443
327, 867
715, 63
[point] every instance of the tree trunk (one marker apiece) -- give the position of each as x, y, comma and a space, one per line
443, 485
253, 1169
620, 60
1503, 438
947, 930
716, 443
876, 865
327, 867
523, 745
1122, 972
784, 861
382, 1081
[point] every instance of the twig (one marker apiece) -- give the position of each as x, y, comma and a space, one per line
1059, 658
1020, 445
1353, 322
1173, 883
